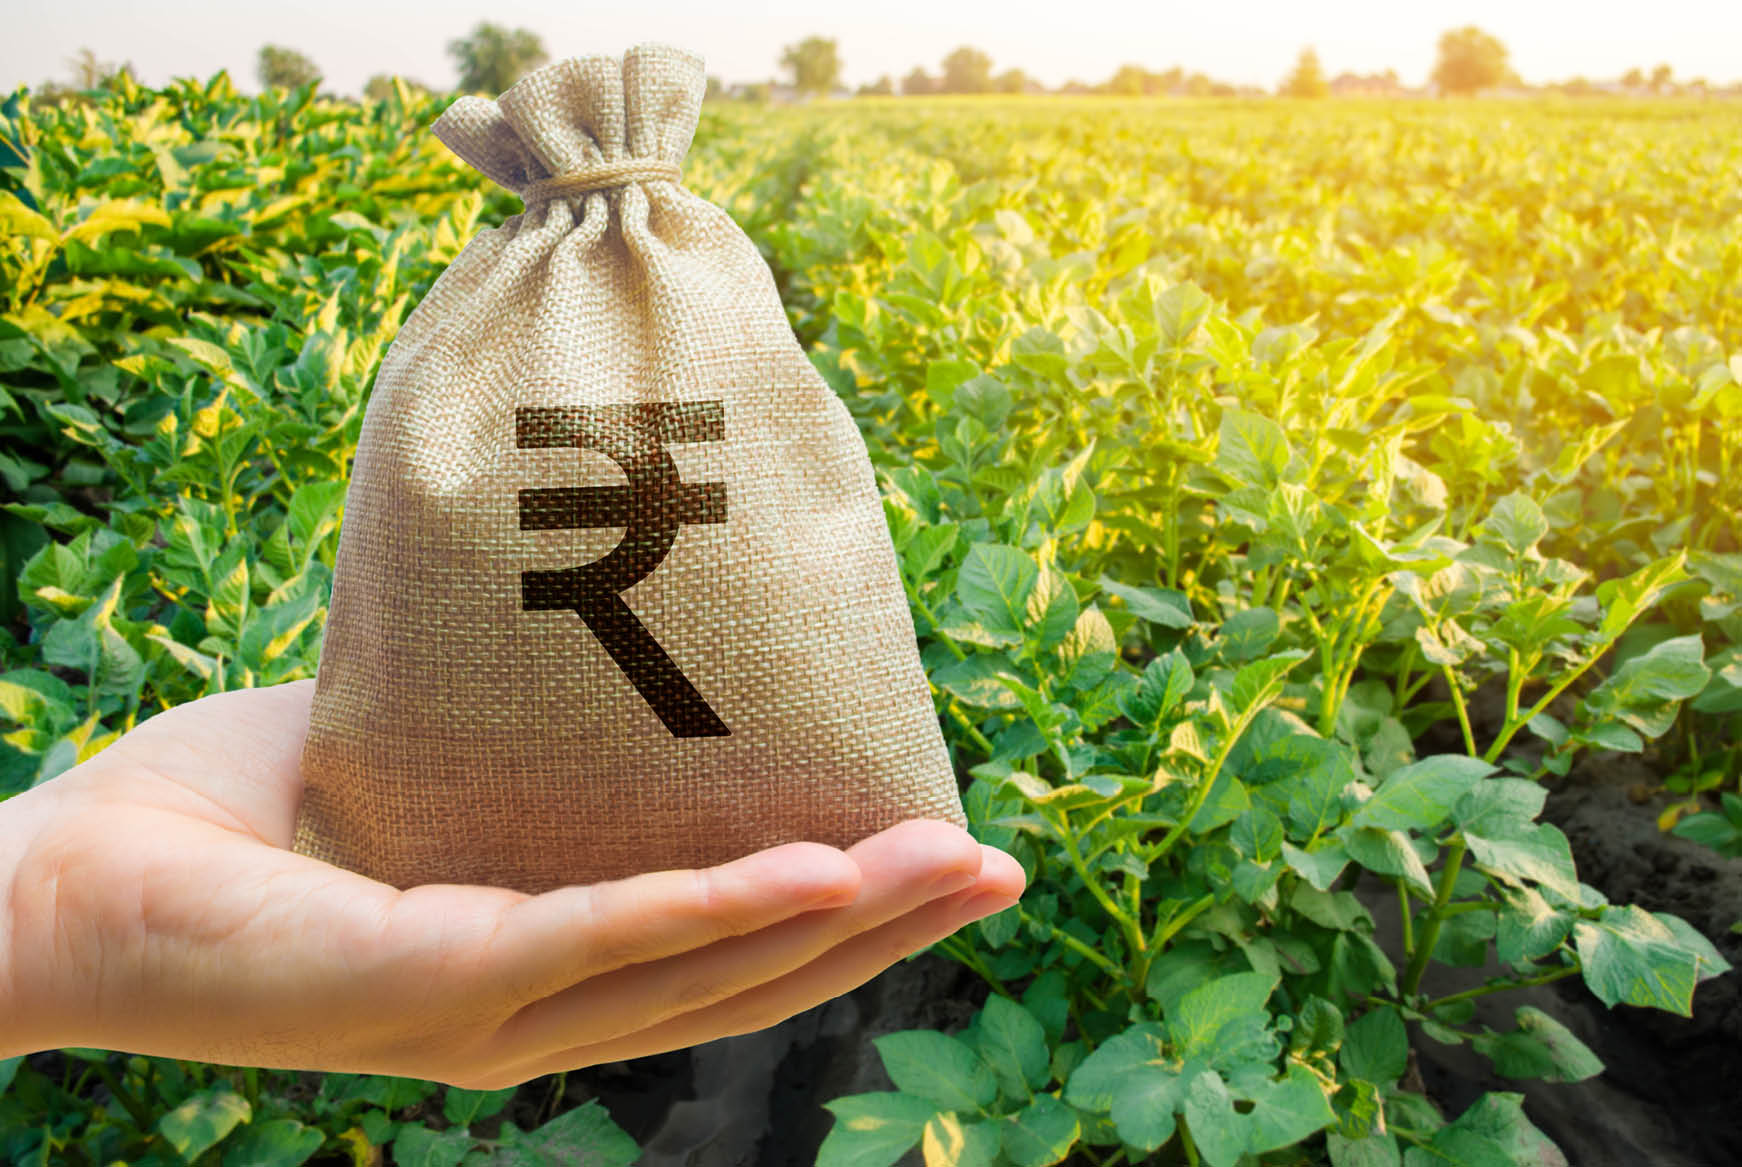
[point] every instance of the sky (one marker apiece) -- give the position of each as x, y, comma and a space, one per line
1250, 42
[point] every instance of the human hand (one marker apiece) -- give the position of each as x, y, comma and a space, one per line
152, 905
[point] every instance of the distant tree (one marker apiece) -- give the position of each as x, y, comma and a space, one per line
1198, 85
1633, 79
759, 92
493, 58
90, 73
918, 83
716, 90
1074, 86
815, 63
966, 70
380, 87
1661, 78
1578, 87
1129, 81
282, 68
1011, 81
882, 87
1308, 78
86, 73
1470, 60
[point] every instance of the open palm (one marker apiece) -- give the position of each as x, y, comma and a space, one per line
153, 906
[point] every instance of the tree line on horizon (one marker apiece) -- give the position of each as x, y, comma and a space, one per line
493, 57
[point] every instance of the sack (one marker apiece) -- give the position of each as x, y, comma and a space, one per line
614, 591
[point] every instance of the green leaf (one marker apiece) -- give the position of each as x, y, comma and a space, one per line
314, 511
1216, 1126
585, 1135
873, 1130
1388, 853
1420, 796
1251, 449
1646, 690
1130, 1077
1624, 599
275, 629
1320, 864
418, 1146
1535, 854
1516, 523
1540, 1047
1182, 967
464, 1107
978, 681
18, 220
1499, 807
203, 1120
1052, 608
1167, 608
1375, 1046
935, 1066
1258, 683
1630, 956
994, 584
31, 696
1013, 1043
1248, 633
1179, 312
1286, 1111
1166, 681
1372, 1151
949, 1142
116, 215
942, 378
1528, 927
1493, 1132
1198, 1020
277, 1142
8, 1071
1089, 651
95, 647
1040, 1134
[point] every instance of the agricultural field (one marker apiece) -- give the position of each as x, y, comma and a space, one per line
1307, 510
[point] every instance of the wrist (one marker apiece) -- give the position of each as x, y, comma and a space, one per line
25, 1024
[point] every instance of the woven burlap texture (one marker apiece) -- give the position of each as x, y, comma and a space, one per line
463, 733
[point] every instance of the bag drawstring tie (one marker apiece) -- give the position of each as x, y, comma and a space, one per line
602, 177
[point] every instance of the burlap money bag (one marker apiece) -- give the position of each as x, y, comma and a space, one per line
614, 592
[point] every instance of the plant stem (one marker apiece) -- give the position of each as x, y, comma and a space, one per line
1164, 933
1077, 946
1132, 928
1523, 719
1559, 974
1430, 929
1202, 794
960, 950
1463, 714
1404, 916
1185, 1140
141, 1116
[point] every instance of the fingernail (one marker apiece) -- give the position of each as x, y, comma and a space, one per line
989, 904
953, 882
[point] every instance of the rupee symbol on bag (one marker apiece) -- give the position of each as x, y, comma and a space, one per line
650, 509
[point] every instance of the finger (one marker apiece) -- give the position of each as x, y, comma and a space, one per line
551, 942
838, 971
903, 869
